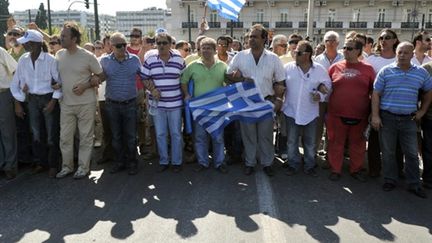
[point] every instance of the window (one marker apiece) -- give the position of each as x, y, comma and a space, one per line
408, 15
260, 15
381, 15
429, 16
305, 14
331, 14
356, 15
284, 15
213, 16
192, 15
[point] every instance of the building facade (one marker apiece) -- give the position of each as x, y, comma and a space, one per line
406, 17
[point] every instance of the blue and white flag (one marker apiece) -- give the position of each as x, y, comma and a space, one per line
228, 9
239, 101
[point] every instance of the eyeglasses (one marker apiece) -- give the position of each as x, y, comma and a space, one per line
54, 43
295, 42
330, 40
385, 37
162, 43
222, 45
13, 34
283, 45
300, 53
348, 48
186, 50
135, 36
120, 45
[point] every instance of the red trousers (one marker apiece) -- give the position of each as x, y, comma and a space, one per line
338, 133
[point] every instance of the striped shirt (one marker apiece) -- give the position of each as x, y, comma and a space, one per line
399, 89
121, 76
166, 78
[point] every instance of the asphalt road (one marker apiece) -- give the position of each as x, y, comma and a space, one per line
208, 207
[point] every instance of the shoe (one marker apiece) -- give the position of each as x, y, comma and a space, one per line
200, 168
162, 168
79, 174
269, 171
334, 176
325, 165
427, 185
284, 156
177, 168
37, 169
388, 187
359, 176
290, 171
63, 173
311, 172
418, 191
117, 168
133, 169
10, 174
248, 170
222, 169
97, 144
52, 172
322, 153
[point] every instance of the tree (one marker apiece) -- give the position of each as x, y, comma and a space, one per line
4, 15
41, 17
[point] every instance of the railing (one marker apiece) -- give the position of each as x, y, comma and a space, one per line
235, 24
284, 24
214, 24
334, 24
409, 25
428, 25
358, 25
382, 25
303, 24
265, 24
191, 24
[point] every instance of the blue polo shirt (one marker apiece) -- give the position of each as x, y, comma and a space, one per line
120, 76
399, 89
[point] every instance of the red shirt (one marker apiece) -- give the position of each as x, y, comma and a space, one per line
352, 84
139, 83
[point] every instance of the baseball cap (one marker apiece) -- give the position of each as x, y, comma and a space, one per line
30, 35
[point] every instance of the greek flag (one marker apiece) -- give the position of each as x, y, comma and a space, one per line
239, 101
228, 9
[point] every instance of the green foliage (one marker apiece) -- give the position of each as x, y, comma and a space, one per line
41, 17
4, 15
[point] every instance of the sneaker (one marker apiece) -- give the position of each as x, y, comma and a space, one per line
200, 168
162, 168
269, 171
290, 171
133, 169
63, 173
248, 170
418, 191
117, 168
388, 186
359, 176
334, 176
79, 174
222, 169
177, 168
311, 172
97, 144
284, 156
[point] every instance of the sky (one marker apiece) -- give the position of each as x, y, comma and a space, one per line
105, 6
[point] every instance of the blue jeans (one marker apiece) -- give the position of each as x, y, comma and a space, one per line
8, 136
404, 128
45, 127
201, 146
164, 121
123, 122
309, 143
427, 150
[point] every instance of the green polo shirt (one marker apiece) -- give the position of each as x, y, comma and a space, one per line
205, 79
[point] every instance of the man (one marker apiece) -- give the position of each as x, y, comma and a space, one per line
426, 125
293, 40
305, 81
348, 112
394, 115
16, 50
208, 74
135, 43
78, 107
161, 72
189, 59
183, 47
8, 139
35, 73
422, 44
368, 48
280, 45
106, 44
265, 69
223, 43
99, 48
120, 69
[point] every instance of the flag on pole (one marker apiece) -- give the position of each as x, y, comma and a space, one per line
228, 9
239, 101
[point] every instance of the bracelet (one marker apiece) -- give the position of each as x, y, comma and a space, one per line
279, 98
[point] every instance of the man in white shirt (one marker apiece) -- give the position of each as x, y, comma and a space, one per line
422, 44
8, 152
265, 69
33, 78
307, 83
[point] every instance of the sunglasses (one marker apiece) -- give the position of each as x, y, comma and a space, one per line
119, 46
348, 48
330, 40
386, 37
162, 43
295, 42
283, 45
186, 50
135, 36
222, 45
54, 43
13, 34
300, 53
427, 39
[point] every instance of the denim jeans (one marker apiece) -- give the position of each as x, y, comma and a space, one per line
404, 128
169, 121
427, 150
309, 143
8, 137
258, 142
46, 130
123, 122
201, 146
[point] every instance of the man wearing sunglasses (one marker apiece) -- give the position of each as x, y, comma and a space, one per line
14, 48
422, 44
184, 48
222, 49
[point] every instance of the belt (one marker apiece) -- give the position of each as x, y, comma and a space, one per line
39, 95
400, 115
124, 102
3, 90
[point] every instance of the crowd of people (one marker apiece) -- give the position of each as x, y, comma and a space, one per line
127, 95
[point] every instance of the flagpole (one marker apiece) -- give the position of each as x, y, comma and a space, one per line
309, 30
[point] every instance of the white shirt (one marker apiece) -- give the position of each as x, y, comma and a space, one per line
268, 70
298, 102
37, 78
325, 62
415, 61
8, 66
379, 62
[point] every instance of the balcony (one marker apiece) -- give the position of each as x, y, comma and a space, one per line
428, 25
303, 24
189, 24
284, 24
265, 24
358, 25
409, 25
214, 24
234, 25
382, 25
334, 24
